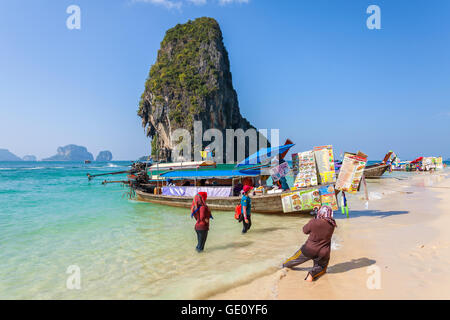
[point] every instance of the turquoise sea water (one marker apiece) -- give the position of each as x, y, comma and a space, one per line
52, 217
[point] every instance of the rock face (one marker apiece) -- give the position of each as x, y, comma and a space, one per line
5, 155
29, 158
144, 158
71, 152
104, 156
190, 81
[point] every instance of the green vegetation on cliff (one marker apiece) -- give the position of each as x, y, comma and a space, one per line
190, 81
182, 55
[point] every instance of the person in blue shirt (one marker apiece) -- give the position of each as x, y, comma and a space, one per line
246, 207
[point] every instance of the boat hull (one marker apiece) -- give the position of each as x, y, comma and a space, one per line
269, 203
375, 171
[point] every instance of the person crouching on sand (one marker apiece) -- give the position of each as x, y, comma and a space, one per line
318, 246
246, 205
201, 213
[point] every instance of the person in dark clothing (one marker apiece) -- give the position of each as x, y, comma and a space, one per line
237, 189
318, 246
202, 214
246, 207
282, 184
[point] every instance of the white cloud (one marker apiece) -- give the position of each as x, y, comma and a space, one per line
177, 4
169, 4
224, 2
198, 2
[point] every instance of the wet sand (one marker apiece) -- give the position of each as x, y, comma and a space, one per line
398, 248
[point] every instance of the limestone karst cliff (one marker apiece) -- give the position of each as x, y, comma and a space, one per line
6, 155
104, 156
190, 81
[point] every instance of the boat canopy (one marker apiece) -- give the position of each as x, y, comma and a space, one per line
265, 155
182, 165
210, 174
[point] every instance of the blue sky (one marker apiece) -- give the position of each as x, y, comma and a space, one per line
310, 68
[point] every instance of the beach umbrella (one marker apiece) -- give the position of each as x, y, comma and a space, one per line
265, 155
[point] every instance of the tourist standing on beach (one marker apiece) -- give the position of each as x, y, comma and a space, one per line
201, 213
246, 208
318, 246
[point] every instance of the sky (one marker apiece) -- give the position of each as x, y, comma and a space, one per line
310, 68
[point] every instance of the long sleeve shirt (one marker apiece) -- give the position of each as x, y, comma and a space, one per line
318, 244
202, 216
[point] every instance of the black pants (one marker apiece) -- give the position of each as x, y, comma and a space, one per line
201, 239
246, 226
320, 263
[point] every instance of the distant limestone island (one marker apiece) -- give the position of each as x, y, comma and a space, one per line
6, 155
73, 152
104, 156
29, 158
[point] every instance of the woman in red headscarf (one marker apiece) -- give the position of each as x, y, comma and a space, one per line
201, 213
318, 246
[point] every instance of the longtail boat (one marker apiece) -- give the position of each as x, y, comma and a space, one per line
175, 184
221, 193
268, 203
378, 169
375, 170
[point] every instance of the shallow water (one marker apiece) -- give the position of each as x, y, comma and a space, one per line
51, 218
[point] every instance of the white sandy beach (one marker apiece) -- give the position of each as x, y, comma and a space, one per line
403, 236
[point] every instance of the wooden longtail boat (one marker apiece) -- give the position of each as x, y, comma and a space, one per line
268, 203
261, 203
378, 169
375, 170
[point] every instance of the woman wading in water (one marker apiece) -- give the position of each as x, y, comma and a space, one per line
246, 205
201, 213
318, 246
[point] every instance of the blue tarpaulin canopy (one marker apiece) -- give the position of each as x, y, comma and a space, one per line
209, 174
264, 155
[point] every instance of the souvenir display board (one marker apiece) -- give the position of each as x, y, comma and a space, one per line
351, 172
439, 163
328, 197
428, 163
301, 200
305, 172
280, 171
325, 164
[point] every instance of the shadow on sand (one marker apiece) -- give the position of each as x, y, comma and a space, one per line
369, 213
231, 245
267, 229
344, 266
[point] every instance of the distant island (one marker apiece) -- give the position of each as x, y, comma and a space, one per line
104, 156
29, 158
71, 152
5, 155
